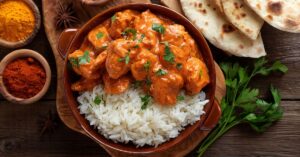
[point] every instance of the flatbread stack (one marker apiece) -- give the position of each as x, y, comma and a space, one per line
234, 25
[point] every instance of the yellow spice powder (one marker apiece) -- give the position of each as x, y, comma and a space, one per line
17, 20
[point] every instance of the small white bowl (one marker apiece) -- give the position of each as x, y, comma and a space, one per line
37, 16
21, 53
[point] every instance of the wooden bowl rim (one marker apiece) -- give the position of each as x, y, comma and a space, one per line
20, 54
92, 133
37, 17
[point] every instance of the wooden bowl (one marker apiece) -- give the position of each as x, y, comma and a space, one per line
78, 36
17, 44
21, 53
95, 2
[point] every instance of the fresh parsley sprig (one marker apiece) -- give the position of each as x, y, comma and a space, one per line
241, 103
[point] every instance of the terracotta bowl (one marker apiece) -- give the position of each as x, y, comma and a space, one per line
21, 53
71, 40
95, 2
37, 16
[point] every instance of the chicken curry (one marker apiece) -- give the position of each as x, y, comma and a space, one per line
133, 47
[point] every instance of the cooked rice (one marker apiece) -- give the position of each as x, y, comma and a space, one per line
121, 119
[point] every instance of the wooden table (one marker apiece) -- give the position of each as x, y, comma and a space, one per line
20, 128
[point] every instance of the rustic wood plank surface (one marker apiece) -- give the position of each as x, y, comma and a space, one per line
20, 129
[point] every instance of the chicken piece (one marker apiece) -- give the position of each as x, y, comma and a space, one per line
120, 54
165, 88
100, 61
196, 75
120, 21
85, 85
116, 86
172, 57
143, 64
176, 35
143, 24
99, 37
83, 64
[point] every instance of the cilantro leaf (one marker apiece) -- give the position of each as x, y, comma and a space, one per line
128, 31
158, 28
145, 100
97, 100
147, 66
241, 103
126, 59
168, 56
85, 58
99, 35
113, 18
180, 98
74, 62
161, 72
141, 39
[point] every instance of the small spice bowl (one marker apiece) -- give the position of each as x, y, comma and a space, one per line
18, 54
29, 38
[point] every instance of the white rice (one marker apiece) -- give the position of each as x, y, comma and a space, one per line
121, 119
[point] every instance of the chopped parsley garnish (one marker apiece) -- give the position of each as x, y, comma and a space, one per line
141, 39
85, 58
97, 100
100, 35
168, 56
130, 30
179, 66
74, 62
148, 82
145, 100
104, 47
161, 72
200, 73
136, 84
158, 28
113, 18
126, 58
180, 97
136, 46
147, 66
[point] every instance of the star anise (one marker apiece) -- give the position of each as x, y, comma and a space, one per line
48, 123
66, 16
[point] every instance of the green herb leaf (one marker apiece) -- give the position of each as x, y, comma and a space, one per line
147, 66
241, 103
131, 31
85, 58
179, 66
104, 47
100, 35
74, 62
113, 18
126, 58
161, 72
97, 100
145, 100
141, 39
158, 28
180, 98
148, 82
168, 56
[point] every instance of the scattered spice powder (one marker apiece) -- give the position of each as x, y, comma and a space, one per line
17, 20
24, 77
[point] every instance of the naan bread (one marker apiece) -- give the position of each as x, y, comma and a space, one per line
281, 14
242, 17
217, 4
219, 31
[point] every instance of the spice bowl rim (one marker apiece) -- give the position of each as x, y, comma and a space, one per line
37, 25
20, 53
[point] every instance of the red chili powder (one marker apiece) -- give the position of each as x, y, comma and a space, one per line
24, 77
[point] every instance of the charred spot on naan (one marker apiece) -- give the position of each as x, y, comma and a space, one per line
275, 8
291, 23
228, 28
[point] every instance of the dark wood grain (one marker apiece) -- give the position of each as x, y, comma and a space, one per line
19, 136
19, 131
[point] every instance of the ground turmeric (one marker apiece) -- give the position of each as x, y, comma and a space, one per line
17, 20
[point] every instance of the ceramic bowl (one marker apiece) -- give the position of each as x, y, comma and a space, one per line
21, 53
71, 40
17, 44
